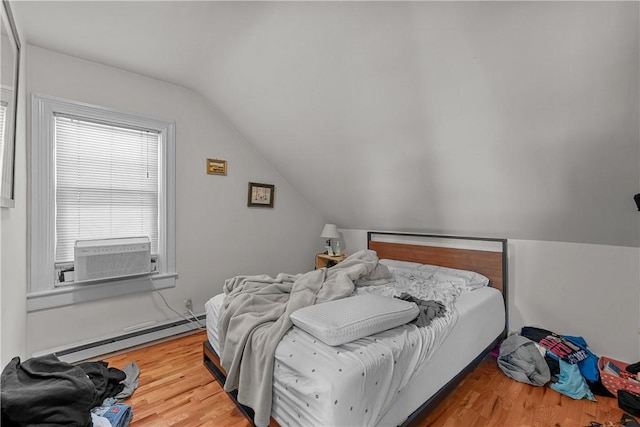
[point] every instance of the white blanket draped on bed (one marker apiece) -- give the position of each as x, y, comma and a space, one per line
255, 316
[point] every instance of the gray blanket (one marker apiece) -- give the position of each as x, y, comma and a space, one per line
520, 360
255, 316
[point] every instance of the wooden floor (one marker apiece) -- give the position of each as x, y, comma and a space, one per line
177, 390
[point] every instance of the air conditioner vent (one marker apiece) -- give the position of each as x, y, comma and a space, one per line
111, 258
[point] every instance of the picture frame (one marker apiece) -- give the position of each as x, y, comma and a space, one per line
261, 195
216, 167
10, 59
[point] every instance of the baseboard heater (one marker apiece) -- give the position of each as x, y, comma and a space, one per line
121, 342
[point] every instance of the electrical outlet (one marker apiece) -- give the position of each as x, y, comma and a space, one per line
188, 305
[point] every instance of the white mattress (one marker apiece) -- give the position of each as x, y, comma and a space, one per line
310, 377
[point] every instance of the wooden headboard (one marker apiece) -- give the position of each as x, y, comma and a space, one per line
437, 250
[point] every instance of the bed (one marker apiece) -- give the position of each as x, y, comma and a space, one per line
397, 376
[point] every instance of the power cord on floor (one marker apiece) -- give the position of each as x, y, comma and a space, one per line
195, 318
195, 321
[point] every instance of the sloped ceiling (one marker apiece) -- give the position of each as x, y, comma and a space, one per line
506, 119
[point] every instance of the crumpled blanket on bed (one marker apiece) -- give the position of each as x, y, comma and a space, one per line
255, 316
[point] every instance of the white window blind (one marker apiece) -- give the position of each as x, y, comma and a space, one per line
3, 119
106, 183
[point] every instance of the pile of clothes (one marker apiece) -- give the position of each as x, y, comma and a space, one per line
538, 357
47, 391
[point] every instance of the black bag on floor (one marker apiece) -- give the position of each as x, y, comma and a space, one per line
628, 421
629, 402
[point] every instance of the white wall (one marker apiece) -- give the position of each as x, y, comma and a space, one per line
13, 245
217, 235
569, 288
578, 289
511, 118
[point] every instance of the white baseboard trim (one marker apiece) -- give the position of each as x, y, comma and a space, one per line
99, 347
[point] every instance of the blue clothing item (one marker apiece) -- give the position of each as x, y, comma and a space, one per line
109, 401
589, 366
571, 382
119, 415
99, 421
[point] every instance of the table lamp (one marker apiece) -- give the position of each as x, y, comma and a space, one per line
330, 231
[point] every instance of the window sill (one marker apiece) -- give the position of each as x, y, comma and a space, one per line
75, 294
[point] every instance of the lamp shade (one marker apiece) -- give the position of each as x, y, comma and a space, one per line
330, 231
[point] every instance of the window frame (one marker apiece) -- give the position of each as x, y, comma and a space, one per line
42, 292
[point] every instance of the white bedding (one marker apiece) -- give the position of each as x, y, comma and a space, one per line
381, 379
481, 318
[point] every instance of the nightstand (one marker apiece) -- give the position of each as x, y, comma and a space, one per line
324, 260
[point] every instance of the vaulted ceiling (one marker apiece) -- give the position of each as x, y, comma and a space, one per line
507, 119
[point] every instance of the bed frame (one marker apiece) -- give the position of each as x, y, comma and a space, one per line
487, 256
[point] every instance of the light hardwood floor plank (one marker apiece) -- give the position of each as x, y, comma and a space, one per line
176, 390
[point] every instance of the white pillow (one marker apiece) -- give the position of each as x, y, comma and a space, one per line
347, 319
467, 279
400, 264
470, 279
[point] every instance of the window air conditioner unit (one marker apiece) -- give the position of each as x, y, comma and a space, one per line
111, 258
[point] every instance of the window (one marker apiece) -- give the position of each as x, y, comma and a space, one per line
97, 173
3, 119
106, 183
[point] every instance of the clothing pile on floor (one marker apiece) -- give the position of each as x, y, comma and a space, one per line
539, 357
47, 391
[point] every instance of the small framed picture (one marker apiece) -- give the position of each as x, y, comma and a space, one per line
261, 195
216, 167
